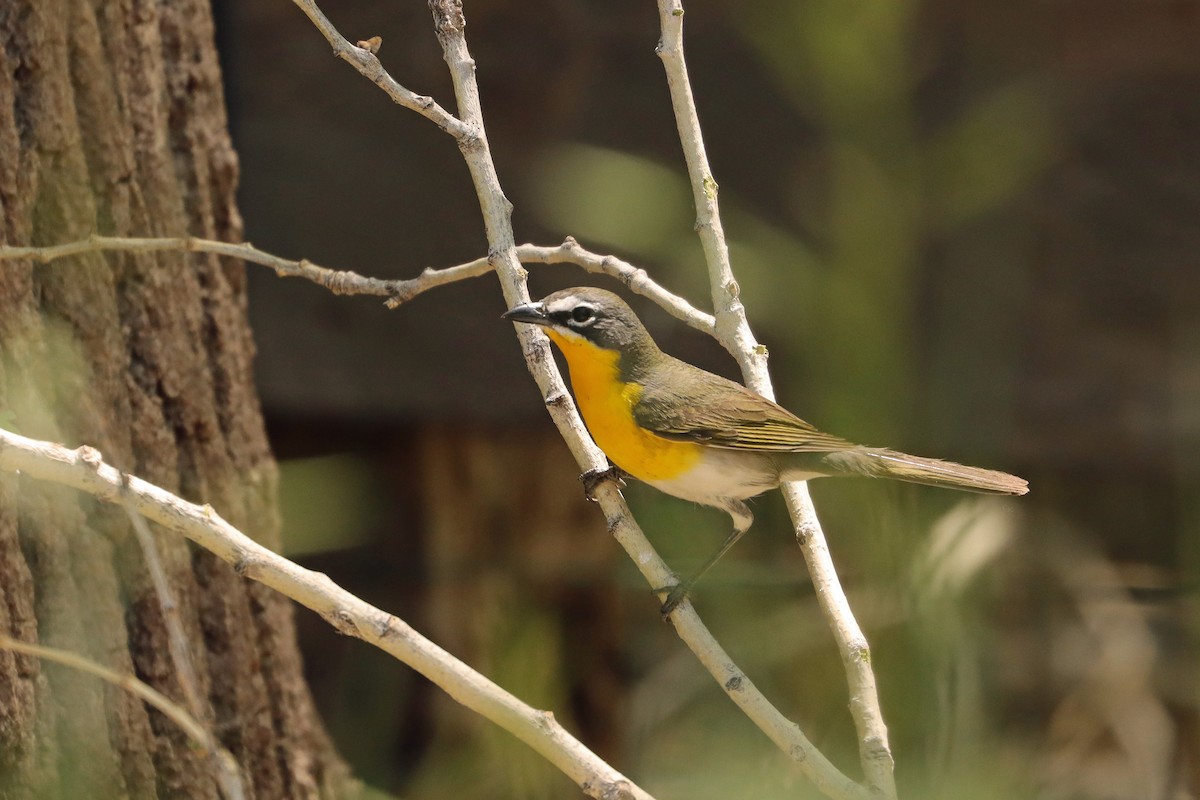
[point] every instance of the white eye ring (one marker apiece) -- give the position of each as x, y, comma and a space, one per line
582, 314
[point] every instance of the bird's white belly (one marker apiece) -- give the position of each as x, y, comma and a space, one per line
735, 474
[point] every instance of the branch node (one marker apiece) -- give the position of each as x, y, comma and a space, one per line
337, 282
448, 16
538, 349
342, 621
636, 278
90, 456
806, 529
608, 790
470, 143
859, 651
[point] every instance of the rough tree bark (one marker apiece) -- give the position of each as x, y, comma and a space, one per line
112, 121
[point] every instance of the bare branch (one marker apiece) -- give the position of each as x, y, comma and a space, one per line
229, 776
786, 734
84, 469
397, 290
732, 329
364, 60
431, 278
875, 754
734, 332
335, 280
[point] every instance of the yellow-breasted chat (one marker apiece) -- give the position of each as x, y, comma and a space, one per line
701, 437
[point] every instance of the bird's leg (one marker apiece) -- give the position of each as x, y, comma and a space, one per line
594, 477
742, 520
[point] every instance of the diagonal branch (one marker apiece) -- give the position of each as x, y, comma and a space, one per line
85, 470
734, 332
365, 61
732, 329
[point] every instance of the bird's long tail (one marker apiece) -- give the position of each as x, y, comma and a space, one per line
879, 463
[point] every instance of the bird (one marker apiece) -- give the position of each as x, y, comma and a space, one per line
701, 437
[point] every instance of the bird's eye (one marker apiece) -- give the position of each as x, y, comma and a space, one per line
582, 314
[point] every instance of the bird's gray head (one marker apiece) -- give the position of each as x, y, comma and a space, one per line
594, 315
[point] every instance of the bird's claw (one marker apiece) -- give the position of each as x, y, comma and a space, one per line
676, 594
594, 477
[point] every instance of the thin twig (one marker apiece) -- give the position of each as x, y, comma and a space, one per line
732, 329
365, 61
84, 469
335, 280
734, 332
397, 290
229, 776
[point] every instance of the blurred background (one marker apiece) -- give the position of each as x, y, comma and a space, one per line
964, 229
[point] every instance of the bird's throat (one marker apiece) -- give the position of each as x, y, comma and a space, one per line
607, 403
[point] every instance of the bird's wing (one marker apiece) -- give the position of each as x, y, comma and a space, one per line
729, 416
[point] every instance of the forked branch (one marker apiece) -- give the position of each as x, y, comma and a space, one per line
734, 332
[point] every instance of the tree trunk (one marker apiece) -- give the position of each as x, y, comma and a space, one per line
112, 121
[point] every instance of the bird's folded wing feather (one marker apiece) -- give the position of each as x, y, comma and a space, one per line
730, 416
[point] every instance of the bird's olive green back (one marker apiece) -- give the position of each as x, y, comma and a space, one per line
680, 401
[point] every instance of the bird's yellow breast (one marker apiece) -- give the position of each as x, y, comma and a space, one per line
606, 403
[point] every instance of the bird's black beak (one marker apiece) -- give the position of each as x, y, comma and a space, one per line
533, 313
